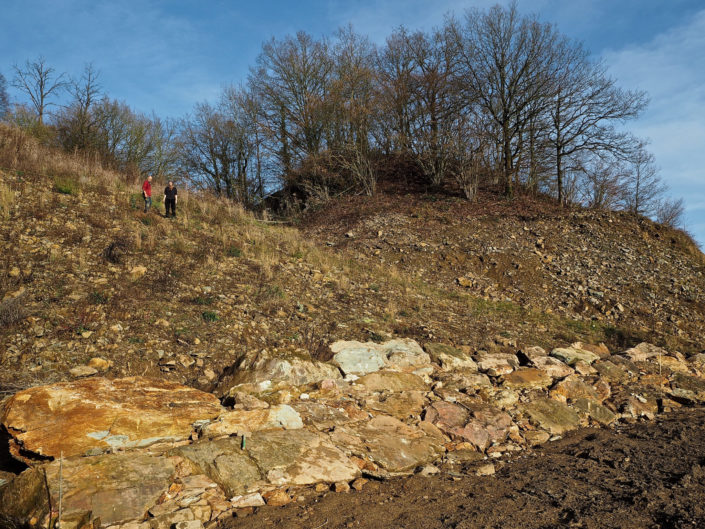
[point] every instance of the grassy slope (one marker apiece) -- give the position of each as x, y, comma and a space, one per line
220, 282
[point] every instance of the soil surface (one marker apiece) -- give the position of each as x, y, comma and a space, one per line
644, 475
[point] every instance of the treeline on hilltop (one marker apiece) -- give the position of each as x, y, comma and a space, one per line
493, 97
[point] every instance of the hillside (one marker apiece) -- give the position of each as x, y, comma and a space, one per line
85, 273
159, 372
571, 272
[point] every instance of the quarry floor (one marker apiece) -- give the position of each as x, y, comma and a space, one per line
643, 475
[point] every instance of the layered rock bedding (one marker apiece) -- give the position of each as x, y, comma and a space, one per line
139, 453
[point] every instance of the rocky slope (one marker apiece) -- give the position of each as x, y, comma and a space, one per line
85, 276
137, 453
181, 370
625, 274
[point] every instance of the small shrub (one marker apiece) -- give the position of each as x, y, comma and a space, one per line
66, 185
209, 316
163, 279
117, 249
7, 200
376, 337
98, 221
203, 300
98, 298
179, 246
12, 310
233, 251
269, 292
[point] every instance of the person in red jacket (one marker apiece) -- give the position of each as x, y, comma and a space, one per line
147, 193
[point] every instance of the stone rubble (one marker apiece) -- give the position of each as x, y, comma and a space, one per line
138, 453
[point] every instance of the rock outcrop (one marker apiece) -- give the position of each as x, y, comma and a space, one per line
95, 415
151, 454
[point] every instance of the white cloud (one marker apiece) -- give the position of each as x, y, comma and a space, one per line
671, 68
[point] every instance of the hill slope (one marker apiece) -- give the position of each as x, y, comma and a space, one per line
84, 273
624, 274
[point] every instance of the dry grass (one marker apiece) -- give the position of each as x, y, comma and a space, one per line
12, 310
23, 154
7, 200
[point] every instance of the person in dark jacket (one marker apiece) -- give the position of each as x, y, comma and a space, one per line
170, 198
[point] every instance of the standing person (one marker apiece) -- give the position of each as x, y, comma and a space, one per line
170, 198
147, 193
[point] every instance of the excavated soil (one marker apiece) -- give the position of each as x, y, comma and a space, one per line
644, 475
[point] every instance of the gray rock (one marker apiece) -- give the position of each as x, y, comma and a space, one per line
224, 462
276, 367
596, 411
118, 487
191, 524
449, 357
570, 355
356, 358
247, 421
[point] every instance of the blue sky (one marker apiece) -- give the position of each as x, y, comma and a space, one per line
166, 55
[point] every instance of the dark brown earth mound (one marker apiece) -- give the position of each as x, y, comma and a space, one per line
645, 475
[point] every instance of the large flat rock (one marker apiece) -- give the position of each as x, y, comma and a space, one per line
527, 378
278, 367
282, 417
296, 457
479, 425
390, 443
392, 381
225, 462
449, 357
552, 415
116, 488
96, 415
356, 358
571, 355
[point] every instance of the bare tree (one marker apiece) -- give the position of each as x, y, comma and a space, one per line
292, 79
40, 82
603, 182
586, 106
509, 62
394, 65
470, 152
77, 122
163, 156
216, 153
670, 212
439, 109
4, 97
353, 108
644, 187
243, 106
